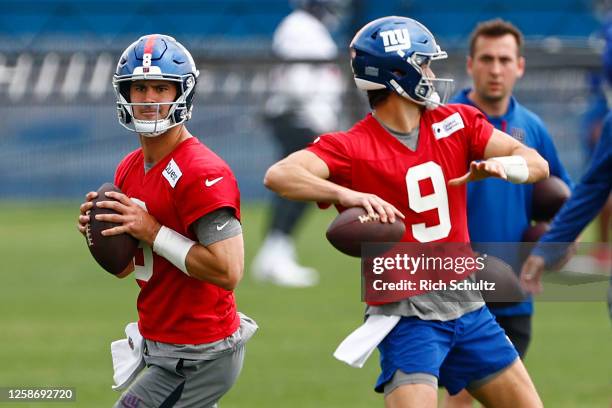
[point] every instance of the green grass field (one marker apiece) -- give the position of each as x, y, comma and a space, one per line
59, 313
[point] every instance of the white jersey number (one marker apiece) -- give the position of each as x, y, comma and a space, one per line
146, 59
437, 200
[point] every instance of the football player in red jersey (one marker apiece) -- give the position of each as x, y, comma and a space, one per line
408, 161
182, 202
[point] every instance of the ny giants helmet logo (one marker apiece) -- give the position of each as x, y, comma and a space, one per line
395, 40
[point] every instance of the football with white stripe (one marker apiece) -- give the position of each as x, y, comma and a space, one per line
354, 226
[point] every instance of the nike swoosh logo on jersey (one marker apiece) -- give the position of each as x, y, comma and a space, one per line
210, 183
220, 227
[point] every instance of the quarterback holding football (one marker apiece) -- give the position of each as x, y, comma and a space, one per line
408, 161
181, 202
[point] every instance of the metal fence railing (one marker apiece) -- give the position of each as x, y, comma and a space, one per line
61, 138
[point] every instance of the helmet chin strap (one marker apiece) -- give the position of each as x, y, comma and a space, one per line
430, 103
433, 101
152, 128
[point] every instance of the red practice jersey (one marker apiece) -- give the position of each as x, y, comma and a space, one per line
182, 187
369, 159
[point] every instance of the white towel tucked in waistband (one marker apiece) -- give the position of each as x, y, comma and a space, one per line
128, 360
359, 345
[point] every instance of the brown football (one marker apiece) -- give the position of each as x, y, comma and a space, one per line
507, 290
113, 253
549, 195
353, 226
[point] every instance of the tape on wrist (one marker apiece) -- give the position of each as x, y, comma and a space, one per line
173, 246
515, 167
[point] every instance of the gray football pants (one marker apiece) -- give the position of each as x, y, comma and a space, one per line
181, 383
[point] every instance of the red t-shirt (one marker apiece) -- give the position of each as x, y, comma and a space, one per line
188, 183
369, 159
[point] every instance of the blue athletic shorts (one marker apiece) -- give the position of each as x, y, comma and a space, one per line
458, 352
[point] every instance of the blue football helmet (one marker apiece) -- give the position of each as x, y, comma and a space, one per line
390, 53
155, 57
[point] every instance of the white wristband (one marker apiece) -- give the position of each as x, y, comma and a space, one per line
173, 246
515, 167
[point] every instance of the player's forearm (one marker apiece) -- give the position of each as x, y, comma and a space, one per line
505, 147
294, 182
221, 264
538, 167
